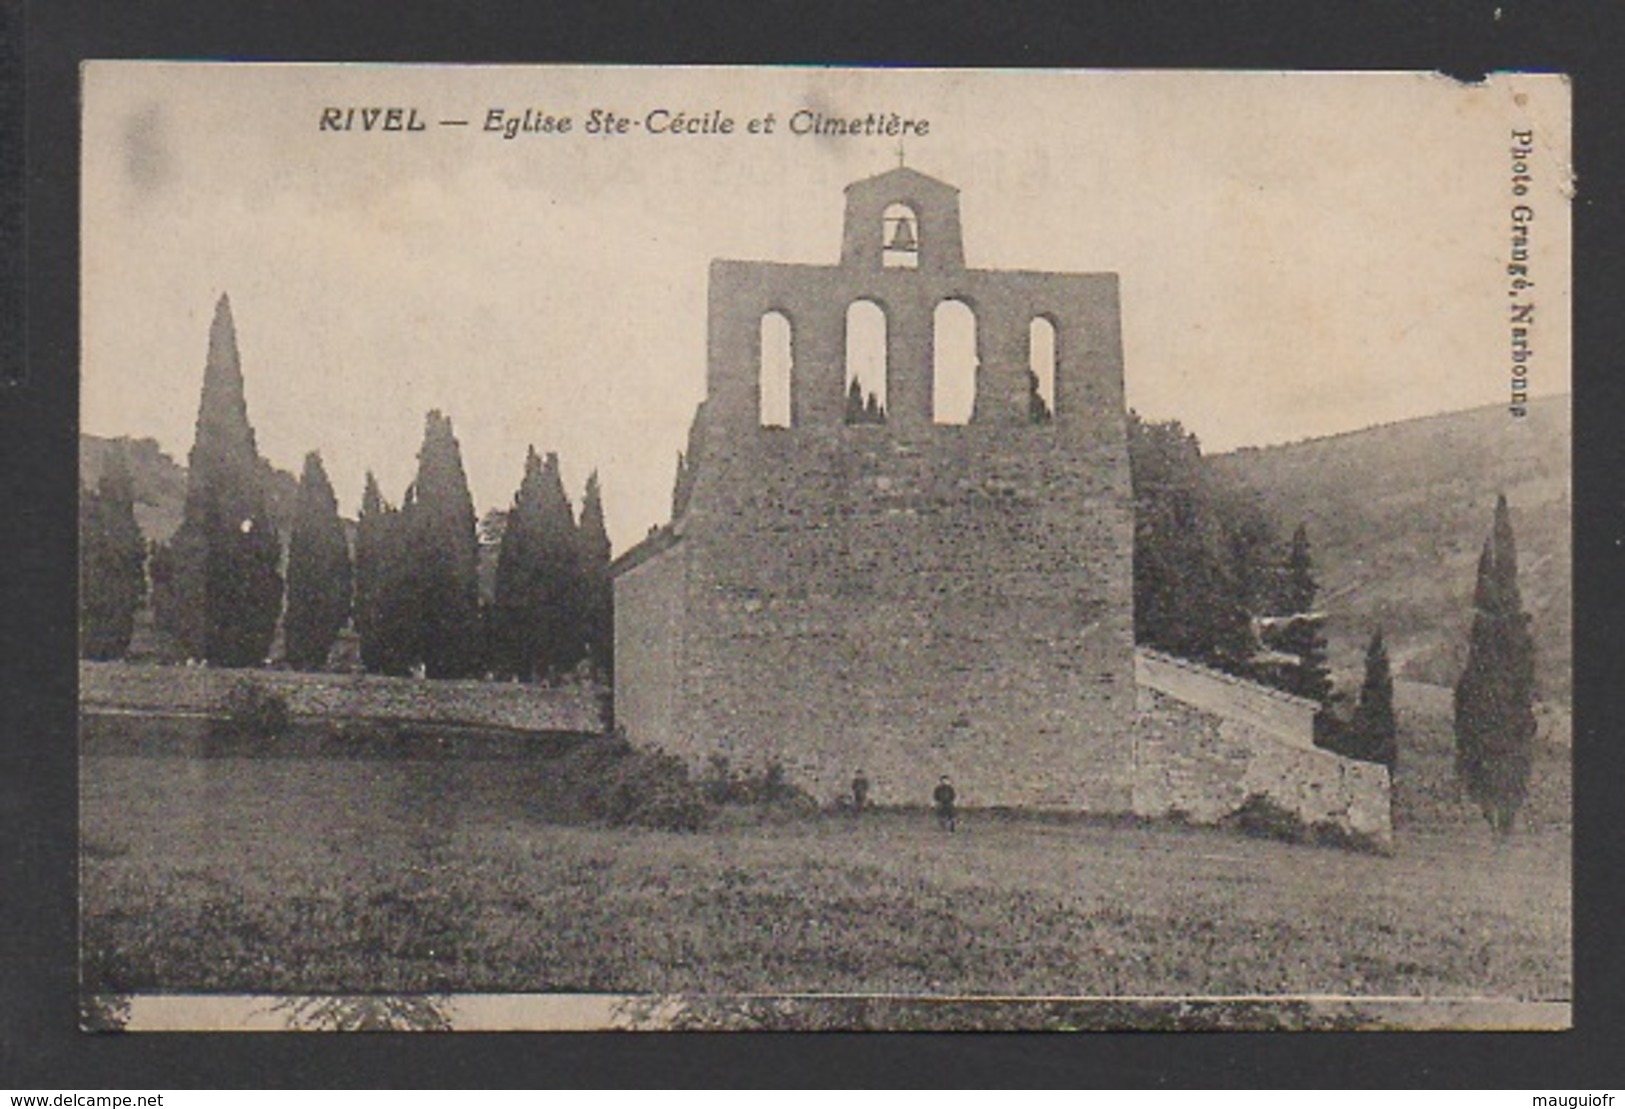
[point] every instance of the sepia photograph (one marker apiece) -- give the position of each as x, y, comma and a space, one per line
813, 548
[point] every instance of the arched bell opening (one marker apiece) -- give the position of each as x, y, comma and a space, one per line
953, 363
865, 363
899, 238
774, 371
1041, 359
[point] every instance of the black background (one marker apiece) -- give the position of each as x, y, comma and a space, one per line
40, 1047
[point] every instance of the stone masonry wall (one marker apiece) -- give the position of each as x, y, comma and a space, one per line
909, 599
650, 601
119, 686
1195, 763
957, 601
1289, 719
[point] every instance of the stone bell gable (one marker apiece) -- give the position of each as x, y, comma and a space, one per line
913, 596
911, 590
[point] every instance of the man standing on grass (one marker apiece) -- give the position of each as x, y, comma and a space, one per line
943, 796
860, 792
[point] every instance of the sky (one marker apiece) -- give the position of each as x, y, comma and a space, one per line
1299, 254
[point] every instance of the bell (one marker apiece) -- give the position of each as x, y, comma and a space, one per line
902, 237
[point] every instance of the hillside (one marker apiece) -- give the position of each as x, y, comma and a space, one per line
1397, 515
1426, 791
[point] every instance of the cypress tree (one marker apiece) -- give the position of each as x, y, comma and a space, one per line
385, 587
1037, 409
112, 562
537, 615
596, 603
371, 541
217, 587
177, 588
444, 553
318, 571
680, 487
1310, 677
563, 644
862, 409
1375, 731
1494, 699
516, 604
854, 402
687, 463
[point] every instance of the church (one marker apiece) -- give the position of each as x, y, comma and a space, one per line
916, 587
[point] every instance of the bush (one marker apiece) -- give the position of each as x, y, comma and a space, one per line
1346, 739
1262, 817
608, 781
769, 786
254, 711
721, 784
773, 785
651, 789
1259, 816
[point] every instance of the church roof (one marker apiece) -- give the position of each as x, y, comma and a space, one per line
903, 177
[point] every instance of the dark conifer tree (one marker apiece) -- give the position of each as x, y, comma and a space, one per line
1374, 727
1254, 548
1298, 585
176, 568
1303, 637
217, 587
538, 578
537, 614
112, 562
1494, 700
372, 539
1186, 598
563, 644
861, 408
687, 462
319, 578
597, 598
1037, 409
513, 632
679, 486
386, 608
854, 402
444, 556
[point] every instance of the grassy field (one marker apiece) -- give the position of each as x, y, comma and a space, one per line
313, 875
1426, 795
384, 869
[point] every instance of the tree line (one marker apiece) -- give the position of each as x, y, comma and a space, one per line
417, 602
409, 588
1212, 581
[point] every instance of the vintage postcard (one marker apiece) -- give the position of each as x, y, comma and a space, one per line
812, 548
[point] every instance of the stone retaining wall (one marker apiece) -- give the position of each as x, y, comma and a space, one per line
572, 707
1194, 761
